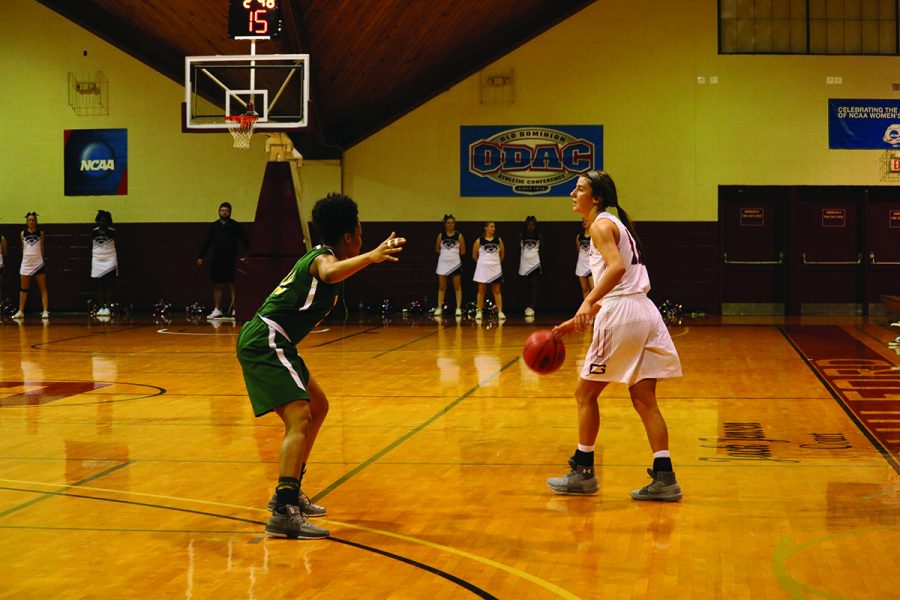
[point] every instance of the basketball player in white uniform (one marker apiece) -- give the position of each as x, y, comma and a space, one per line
630, 342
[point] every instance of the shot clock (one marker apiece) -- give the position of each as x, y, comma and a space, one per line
254, 19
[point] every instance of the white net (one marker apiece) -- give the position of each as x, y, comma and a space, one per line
241, 129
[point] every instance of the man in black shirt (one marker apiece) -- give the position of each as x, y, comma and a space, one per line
223, 237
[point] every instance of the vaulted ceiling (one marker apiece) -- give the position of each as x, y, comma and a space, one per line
371, 61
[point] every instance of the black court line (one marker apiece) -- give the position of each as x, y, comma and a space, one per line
876, 443
414, 563
61, 491
344, 337
410, 433
159, 392
418, 339
80, 337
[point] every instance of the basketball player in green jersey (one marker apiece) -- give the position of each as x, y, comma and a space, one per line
277, 379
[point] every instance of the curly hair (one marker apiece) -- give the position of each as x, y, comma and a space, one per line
334, 215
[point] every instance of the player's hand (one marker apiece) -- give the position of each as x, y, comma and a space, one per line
385, 250
564, 328
584, 318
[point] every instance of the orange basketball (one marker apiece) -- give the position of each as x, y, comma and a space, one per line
544, 352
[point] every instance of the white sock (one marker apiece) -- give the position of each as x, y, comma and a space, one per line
584, 448
661, 454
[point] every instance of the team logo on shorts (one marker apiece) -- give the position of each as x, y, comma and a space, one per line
598, 368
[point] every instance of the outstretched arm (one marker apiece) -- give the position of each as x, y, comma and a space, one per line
328, 269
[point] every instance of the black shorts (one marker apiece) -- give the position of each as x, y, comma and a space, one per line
221, 271
455, 272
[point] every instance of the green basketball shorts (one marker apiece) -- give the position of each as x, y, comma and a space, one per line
273, 371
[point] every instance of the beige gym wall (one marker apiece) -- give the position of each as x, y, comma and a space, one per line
629, 66
669, 141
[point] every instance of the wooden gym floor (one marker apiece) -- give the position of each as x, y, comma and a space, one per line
131, 466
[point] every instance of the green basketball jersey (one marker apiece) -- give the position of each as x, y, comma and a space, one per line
300, 301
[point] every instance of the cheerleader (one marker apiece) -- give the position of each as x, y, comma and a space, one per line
104, 261
488, 252
530, 263
583, 265
450, 247
32, 240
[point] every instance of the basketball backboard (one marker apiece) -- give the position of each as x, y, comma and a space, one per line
276, 86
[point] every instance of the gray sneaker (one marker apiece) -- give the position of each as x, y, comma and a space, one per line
294, 525
580, 480
306, 506
664, 488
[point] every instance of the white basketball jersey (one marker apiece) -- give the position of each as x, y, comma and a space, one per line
635, 280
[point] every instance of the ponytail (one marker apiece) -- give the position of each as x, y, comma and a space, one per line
604, 188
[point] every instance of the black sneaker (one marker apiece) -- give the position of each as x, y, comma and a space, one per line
294, 525
580, 480
306, 506
664, 488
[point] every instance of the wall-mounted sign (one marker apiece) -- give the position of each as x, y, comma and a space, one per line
894, 219
834, 217
753, 217
538, 160
95, 162
863, 124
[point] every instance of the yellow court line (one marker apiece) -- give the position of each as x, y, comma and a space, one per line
485, 561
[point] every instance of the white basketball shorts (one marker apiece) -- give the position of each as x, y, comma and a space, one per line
630, 343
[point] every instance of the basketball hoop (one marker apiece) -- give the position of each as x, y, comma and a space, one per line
241, 128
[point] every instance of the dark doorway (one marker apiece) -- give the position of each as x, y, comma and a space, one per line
752, 226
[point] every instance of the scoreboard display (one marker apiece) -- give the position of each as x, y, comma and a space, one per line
254, 19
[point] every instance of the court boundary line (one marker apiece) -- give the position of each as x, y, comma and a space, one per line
875, 442
420, 565
78, 337
160, 391
439, 547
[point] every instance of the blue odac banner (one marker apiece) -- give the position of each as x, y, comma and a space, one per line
526, 160
863, 124
96, 162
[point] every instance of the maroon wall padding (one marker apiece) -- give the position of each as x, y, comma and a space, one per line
158, 261
256, 277
277, 230
276, 242
682, 258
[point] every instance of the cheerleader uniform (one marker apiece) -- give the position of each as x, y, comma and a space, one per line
630, 340
103, 252
449, 260
583, 265
530, 261
488, 269
32, 257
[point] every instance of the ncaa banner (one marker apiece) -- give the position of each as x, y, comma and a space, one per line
863, 124
96, 162
532, 160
